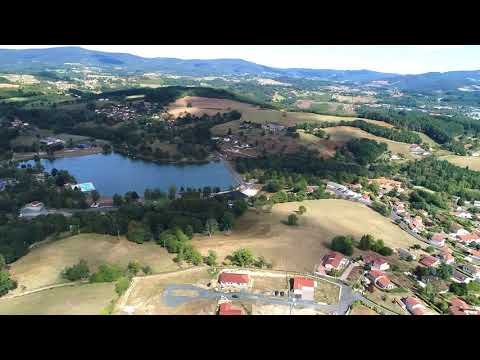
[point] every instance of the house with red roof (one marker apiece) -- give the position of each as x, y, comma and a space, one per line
467, 239
413, 305
438, 239
228, 309
416, 225
233, 280
460, 307
376, 262
429, 261
380, 279
471, 270
460, 277
334, 261
304, 288
446, 257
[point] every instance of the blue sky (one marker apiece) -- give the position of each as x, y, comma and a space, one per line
403, 59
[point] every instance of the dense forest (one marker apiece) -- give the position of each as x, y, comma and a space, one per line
442, 176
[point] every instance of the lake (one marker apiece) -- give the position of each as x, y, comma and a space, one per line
114, 173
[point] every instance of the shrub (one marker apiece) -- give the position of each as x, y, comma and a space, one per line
77, 272
107, 273
122, 285
292, 220
342, 244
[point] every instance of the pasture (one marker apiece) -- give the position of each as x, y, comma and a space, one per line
299, 248
43, 265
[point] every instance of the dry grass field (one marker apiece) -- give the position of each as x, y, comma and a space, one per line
343, 134
85, 299
472, 162
300, 247
202, 105
360, 309
43, 265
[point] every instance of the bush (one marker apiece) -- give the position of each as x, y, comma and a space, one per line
6, 283
242, 257
211, 259
385, 251
77, 272
147, 270
138, 232
302, 210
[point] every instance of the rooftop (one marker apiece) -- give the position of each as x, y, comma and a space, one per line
233, 278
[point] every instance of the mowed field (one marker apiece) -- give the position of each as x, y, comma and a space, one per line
85, 299
473, 162
42, 266
299, 248
203, 105
343, 134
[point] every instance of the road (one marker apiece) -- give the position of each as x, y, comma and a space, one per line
347, 297
70, 212
6, 297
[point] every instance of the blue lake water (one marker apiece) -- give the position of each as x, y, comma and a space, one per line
114, 173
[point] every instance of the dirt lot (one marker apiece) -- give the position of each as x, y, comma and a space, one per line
390, 302
263, 309
202, 105
87, 299
327, 293
343, 134
299, 248
43, 265
145, 297
270, 284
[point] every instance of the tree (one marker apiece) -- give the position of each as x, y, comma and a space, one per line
302, 209
292, 220
242, 257
147, 270
227, 221
211, 259
95, 196
117, 200
172, 191
107, 273
122, 285
134, 267
366, 242
138, 232
430, 249
458, 289
211, 226
3, 263
444, 271
54, 172
77, 272
343, 244
6, 283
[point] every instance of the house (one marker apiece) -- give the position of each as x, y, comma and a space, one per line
311, 188
471, 270
380, 279
462, 214
438, 239
446, 257
376, 262
50, 141
468, 238
475, 254
460, 307
417, 224
429, 261
399, 208
33, 209
334, 261
228, 309
413, 305
459, 277
233, 280
273, 127
304, 288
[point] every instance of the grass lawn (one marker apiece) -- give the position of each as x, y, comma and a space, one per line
43, 265
299, 248
85, 299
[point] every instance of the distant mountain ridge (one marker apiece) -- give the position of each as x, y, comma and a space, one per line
40, 59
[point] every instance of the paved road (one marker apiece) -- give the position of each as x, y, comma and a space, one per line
347, 297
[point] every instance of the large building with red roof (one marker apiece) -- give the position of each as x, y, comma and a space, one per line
304, 287
233, 280
380, 279
413, 305
429, 261
228, 309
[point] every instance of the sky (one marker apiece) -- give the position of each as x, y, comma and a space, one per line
401, 59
